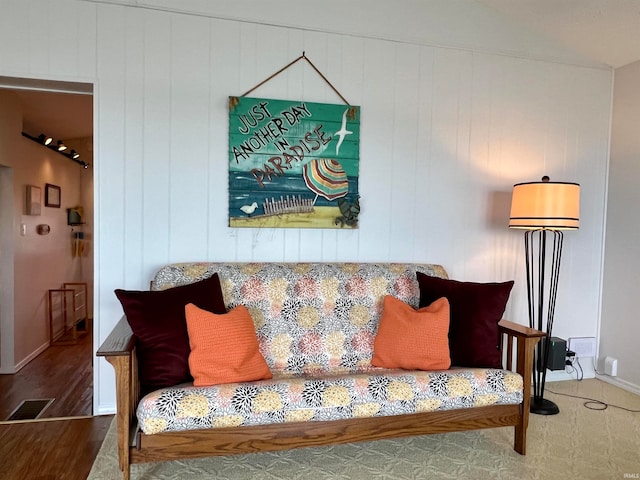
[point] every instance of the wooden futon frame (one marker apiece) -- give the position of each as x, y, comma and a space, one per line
135, 447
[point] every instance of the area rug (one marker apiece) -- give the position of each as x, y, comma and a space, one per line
577, 443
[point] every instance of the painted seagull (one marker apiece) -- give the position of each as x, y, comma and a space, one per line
249, 209
343, 132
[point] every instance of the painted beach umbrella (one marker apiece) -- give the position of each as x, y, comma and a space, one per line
326, 177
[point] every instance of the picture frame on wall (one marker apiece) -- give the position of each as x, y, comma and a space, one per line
34, 200
289, 178
52, 195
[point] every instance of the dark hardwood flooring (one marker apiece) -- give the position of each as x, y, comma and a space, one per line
63, 372
52, 448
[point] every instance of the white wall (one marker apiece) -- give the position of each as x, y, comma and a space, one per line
449, 123
620, 325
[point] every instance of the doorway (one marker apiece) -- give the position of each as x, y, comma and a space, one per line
30, 367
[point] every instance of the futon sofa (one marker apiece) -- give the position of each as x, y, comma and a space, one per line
317, 328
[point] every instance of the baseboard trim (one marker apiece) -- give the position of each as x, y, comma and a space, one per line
32, 355
105, 410
26, 360
623, 384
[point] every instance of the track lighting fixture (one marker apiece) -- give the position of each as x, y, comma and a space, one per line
44, 139
59, 147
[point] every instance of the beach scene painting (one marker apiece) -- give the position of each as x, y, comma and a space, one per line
293, 164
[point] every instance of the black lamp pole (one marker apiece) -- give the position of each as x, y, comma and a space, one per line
535, 244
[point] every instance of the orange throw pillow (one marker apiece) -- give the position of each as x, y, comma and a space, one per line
224, 347
412, 339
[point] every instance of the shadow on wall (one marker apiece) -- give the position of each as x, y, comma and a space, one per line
499, 210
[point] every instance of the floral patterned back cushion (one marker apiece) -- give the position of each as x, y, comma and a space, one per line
310, 318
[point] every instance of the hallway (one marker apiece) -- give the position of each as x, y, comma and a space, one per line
62, 372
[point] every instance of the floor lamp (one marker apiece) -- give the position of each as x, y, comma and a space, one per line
543, 208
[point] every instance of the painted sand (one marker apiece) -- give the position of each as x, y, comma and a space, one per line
321, 217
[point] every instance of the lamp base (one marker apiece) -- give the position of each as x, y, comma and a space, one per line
542, 406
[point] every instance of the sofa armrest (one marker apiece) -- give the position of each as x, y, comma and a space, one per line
526, 340
517, 330
121, 341
119, 350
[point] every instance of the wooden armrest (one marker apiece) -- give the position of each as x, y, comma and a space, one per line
526, 339
120, 341
518, 330
119, 350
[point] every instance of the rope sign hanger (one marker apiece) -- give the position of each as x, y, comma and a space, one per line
233, 101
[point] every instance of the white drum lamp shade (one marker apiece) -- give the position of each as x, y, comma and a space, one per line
545, 205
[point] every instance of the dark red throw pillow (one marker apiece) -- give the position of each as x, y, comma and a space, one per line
157, 318
476, 309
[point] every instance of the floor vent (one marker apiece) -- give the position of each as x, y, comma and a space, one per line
30, 409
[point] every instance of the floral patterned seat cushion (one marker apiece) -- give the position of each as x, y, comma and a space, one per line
375, 393
315, 324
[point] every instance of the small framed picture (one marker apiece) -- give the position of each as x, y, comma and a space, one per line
34, 200
51, 195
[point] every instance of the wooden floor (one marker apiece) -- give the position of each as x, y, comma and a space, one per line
51, 449
63, 372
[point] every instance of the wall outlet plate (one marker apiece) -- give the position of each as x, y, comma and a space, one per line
611, 366
583, 346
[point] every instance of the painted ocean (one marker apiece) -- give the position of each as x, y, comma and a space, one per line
244, 192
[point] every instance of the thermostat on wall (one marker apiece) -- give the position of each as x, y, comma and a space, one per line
43, 229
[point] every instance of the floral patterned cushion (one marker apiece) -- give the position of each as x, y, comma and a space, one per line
315, 324
315, 398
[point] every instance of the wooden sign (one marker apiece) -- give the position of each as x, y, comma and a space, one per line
293, 164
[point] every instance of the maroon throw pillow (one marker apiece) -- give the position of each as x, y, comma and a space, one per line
476, 309
158, 321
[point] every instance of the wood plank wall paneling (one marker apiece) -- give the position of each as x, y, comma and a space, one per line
446, 131
225, 77
188, 133
134, 141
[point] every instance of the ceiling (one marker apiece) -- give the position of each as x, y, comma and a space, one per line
603, 31
63, 110
62, 115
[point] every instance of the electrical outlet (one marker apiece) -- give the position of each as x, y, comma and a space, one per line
583, 346
611, 366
